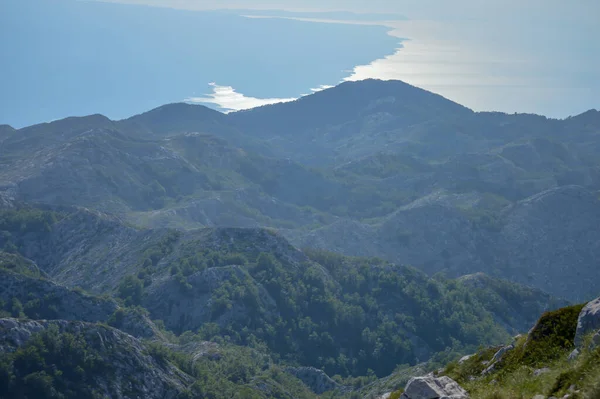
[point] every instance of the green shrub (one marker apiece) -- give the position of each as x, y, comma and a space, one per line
51, 365
552, 335
396, 394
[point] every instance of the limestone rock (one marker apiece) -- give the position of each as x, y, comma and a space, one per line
430, 387
496, 359
498, 356
574, 355
464, 359
589, 321
541, 371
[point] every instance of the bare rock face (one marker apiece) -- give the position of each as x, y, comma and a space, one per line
430, 387
589, 321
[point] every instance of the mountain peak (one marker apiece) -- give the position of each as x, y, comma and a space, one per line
73, 123
175, 118
6, 130
179, 108
590, 116
347, 102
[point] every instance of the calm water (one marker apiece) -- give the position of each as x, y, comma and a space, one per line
62, 58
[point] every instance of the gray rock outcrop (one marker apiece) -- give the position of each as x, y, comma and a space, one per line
588, 321
430, 387
497, 358
538, 372
574, 355
465, 358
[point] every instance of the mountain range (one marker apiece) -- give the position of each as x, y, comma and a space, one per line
367, 230
370, 168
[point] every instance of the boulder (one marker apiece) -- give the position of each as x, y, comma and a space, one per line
589, 321
464, 359
430, 387
574, 355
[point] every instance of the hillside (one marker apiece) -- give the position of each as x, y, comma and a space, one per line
547, 362
552, 233
557, 358
79, 363
188, 366
367, 168
353, 120
331, 247
251, 284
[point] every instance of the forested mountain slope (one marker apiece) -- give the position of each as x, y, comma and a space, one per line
367, 230
367, 168
252, 285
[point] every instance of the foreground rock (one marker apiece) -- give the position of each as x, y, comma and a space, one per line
589, 321
430, 387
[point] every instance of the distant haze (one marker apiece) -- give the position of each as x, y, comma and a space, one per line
64, 57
